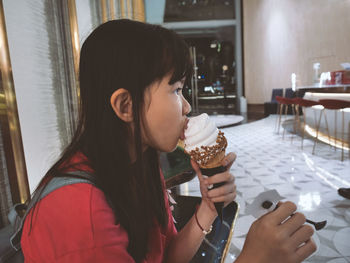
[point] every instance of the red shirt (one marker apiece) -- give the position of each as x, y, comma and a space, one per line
75, 224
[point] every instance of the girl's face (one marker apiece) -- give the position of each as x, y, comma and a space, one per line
165, 114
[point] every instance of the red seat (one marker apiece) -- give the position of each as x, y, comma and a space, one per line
286, 101
306, 103
290, 101
335, 104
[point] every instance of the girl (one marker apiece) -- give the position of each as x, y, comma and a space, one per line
131, 80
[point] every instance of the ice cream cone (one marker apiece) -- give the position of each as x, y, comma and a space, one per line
215, 161
210, 163
207, 147
208, 156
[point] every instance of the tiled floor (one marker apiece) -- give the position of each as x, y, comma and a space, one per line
266, 161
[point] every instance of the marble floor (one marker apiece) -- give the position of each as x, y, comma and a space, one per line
266, 161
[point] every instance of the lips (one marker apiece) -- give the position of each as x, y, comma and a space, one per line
182, 136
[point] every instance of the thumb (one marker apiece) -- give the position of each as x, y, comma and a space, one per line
197, 170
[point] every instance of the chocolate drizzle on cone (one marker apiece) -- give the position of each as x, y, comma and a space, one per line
205, 154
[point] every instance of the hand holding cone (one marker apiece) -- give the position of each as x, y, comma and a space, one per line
207, 147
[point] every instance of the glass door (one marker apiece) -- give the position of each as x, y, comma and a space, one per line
213, 86
212, 29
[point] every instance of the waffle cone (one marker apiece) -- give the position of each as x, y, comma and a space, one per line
215, 162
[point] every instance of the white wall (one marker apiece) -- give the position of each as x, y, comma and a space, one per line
285, 37
35, 76
36, 51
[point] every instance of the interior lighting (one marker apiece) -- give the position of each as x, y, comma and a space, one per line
324, 77
209, 89
316, 67
294, 81
328, 95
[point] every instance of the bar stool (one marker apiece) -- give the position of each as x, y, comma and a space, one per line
280, 101
337, 105
299, 102
284, 104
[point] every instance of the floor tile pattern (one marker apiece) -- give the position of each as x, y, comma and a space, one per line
266, 161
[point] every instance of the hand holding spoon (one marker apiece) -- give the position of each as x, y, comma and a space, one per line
317, 225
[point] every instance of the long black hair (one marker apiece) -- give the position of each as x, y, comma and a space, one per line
130, 55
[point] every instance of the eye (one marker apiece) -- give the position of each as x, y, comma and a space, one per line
178, 91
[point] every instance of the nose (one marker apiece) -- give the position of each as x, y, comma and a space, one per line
186, 107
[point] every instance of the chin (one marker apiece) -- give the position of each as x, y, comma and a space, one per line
170, 148
173, 149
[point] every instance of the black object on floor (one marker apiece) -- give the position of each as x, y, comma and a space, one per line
344, 192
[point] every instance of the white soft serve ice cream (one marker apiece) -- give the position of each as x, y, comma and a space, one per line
201, 131
204, 142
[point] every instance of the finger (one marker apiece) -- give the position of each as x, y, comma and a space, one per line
303, 234
294, 223
306, 250
228, 198
203, 187
197, 170
220, 178
222, 190
269, 214
282, 212
229, 160
204, 191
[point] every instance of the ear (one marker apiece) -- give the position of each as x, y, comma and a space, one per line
122, 104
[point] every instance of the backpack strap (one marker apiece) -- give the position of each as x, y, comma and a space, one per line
17, 221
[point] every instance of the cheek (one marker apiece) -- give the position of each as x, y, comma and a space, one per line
170, 118
175, 110
169, 124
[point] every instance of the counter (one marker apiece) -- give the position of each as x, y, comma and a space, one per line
334, 119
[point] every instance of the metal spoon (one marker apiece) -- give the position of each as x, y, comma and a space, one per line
317, 225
